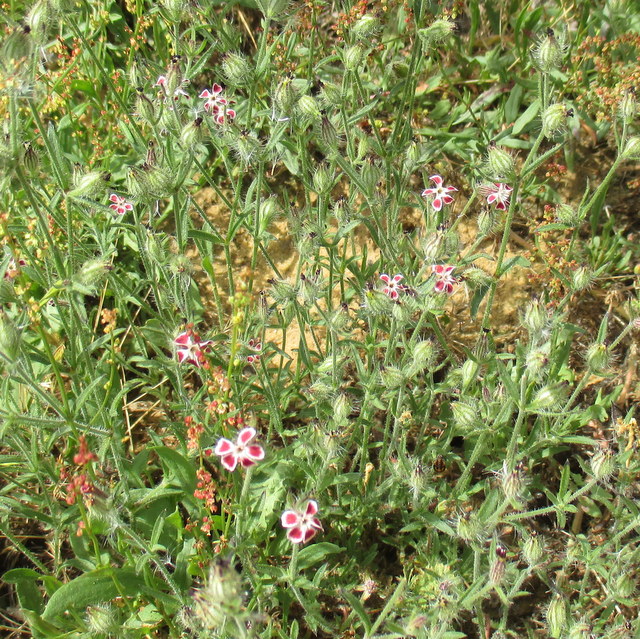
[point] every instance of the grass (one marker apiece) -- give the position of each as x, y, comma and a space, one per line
319, 319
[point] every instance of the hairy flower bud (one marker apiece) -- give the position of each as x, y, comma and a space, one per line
631, 150
465, 414
557, 616
308, 107
192, 134
342, 408
546, 399
328, 134
102, 620
547, 56
498, 566
500, 164
89, 185
553, 120
535, 319
323, 180
489, 221
628, 107
603, 464
237, 70
438, 32
392, 377
90, 275
599, 357
353, 57
566, 214
331, 94
533, 549
582, 279
365, 28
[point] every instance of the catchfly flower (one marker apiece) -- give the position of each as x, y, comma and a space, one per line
497, 193
216, 104
178, 91
243, 452
301, 526
120, 204
256, 346
444, 280
190, 348
392, 285
439, 193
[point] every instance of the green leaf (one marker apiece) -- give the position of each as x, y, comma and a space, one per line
358, 609
316, 552
29, 595
477, 298
517, 260
92, 588
177, 468
526, 118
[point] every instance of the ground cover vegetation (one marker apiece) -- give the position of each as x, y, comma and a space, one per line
319, 319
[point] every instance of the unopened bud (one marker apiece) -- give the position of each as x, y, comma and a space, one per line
465, 414
625, 585
547, 56
488, 221
557, 616
476, 277
237, 70
341, 408
392, 377
533, 550
29, 157
39, 18
599, 357
90, 275
308, 107
282, 292
500, 164
603, 464
628, 107
285, 97
566, 214
554, 120
547, 398
513, 482
328, 134
535, 319
424, 353
631, 150
536, 361
192, 134
89, 185
331, 94
322, 180
469, 373
582, 279
438, 32
365, 28
353, 57
497, 568
102, 620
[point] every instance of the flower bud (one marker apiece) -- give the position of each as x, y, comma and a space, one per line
603, 464
308, 107
90, 275
424, 354
192, 134
489, 221
328, 134
566, 214
159, 183
628, 107
513, 482
342, 408
174, 10
433, 246
89, 185
599, 357
500, 164
39, 19
476, 277
353, 57
582, 279
547, 398
557, 616
365, 28
535, 319
625, 585
237, 70
497, 568
272, 8
465, 414
547, 56
536, 361
553, 120
469, 527
331, 94
631, 150
102, 620
438, 32
469, 373
282, 292
580, 630
322, 180
392, 377
533, 550
285, 97
246, 146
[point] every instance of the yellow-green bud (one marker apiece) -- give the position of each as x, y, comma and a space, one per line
599, 357
488, 221
566, 214
322, 180
553, 120
353, 57
39, 18
331, 94
535, 318
603, 464
533, 550
192, 133
90, 275
29, 157
548, 55
365, 28
237, 70
631, 150
557, 616
547, 398
392, 377
89, 185
500, 164
102, 620
582, 279
308, 107
628, 107
465, 414
438, 32
469, 373
341, 408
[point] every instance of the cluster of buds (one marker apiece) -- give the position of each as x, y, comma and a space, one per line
206, 490
194, 432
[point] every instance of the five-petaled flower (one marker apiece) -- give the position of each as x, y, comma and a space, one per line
190, 348
162, 82
444, 280
392, 285
256, 346
439, 193
243, 452
218, 105
120, 204
301, 526
498, 193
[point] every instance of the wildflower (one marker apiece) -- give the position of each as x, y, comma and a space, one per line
84, 455
218, 105
444, 280
498, 193
242, 452
301, 526
120, 204
178, 91
190, 348
256, 346
439, 193
393, 285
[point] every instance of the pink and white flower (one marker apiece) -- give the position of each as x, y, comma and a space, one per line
392, 285
445, 282
439, 193
190, 348
218, 105
256, 346
497, 193
301, 526
162, 82
243, 452
120, 204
